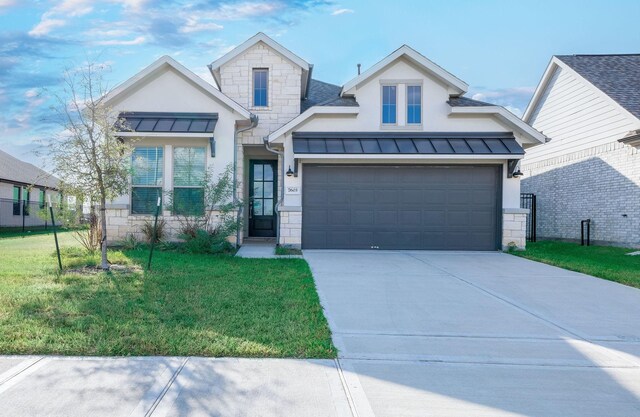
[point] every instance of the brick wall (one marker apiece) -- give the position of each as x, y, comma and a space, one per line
601, 183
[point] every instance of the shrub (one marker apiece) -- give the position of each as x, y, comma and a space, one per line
91, 237
161, 230
211, 242
130, 242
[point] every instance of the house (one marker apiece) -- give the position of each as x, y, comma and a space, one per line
589, 106
24, 190
396, 158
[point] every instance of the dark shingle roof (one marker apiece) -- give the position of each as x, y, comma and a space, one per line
14, 170
325, 94
467, 102
170, 122
451, 143
618, 76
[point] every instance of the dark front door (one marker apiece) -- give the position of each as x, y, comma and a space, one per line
454, 207
262, 198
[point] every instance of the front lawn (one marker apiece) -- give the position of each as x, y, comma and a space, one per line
606, 262
201, 305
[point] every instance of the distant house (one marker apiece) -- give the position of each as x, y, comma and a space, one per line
589, 108
24, 189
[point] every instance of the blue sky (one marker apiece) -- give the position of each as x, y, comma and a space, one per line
500, 48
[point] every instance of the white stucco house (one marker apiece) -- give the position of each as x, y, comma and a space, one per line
589, 108
396, 158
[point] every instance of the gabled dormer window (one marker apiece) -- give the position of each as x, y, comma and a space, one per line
414, 104
260, 87
389, 104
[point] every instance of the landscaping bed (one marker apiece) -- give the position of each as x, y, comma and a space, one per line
189, 304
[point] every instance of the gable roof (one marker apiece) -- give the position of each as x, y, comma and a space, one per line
165, 62
325, 94
259, 37
13, 169
456, 85
214, 67
467, 102
618, 76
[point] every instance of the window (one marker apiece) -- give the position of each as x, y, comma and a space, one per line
389, 104
146, 179
16, 200
188, 174
260, 87
414, 104
26, 197
41, 199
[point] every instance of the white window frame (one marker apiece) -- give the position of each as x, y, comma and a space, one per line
407, 123
253, 89
173, 170
382, 86
161, 186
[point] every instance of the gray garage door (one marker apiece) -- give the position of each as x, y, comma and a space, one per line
400, 207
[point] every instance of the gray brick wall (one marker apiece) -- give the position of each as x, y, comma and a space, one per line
601, 183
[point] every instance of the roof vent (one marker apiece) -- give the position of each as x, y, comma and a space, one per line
358, 69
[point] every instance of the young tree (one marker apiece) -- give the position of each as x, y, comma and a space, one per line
88, 156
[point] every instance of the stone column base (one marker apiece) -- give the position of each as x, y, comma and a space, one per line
291, 227
514, 228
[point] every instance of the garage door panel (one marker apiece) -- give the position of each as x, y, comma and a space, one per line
401, 207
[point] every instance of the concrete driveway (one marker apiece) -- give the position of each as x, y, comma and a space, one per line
479, 334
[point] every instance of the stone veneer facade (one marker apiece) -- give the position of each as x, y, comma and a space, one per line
291, 226
120, 224
285, 86
514, 228
601, 183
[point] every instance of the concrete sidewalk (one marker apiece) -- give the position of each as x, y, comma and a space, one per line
161, 386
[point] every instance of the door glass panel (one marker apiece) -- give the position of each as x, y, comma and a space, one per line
268, 207
268, 173
257, 172
268, 189
257, 207
257, 189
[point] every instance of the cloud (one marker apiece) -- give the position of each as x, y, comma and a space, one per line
338, 12
122, 42
197, 25
45, 26
514, 99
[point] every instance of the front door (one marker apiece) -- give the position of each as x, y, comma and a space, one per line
262, 198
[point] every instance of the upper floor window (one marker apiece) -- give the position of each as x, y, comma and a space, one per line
146, 180
260, 87
389, 104
41, 198
414, 104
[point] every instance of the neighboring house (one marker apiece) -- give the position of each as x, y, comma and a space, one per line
24, 190
589, 107
397, 158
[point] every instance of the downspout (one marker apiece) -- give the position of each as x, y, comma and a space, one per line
254, 122
279, 203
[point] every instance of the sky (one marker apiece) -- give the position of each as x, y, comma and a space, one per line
500, 48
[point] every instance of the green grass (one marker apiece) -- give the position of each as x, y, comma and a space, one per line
287, 251
188, 305
606, 262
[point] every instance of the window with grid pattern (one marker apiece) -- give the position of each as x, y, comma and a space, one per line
188, 174
389, 104
260, 87
414, 104
146, 179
